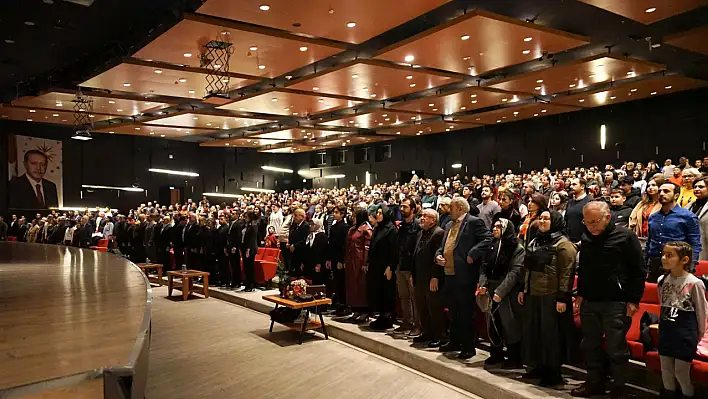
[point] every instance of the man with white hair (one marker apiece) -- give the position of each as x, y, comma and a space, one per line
464, 245
428, 279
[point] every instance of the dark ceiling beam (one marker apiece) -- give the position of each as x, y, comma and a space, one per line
184, 68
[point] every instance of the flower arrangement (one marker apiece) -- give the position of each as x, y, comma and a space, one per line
297, 287
282, 278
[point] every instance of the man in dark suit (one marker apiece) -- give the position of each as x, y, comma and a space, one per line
222, 252
192, 243
234, 236
162, 243
85, 233
466, 241
32, 190
299, 230
22, 232
13, 228
428, 280
178, 240
337, 246
3, 229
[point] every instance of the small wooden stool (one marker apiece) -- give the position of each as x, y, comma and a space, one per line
152, 266
186, 277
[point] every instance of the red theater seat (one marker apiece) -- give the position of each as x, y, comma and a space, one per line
267, 265
649, 303
702, 268
11, 238
102, 243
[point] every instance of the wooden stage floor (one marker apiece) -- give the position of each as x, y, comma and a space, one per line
66, 311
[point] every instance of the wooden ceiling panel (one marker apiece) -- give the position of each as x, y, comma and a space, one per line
101, 105
284, 102
367, 80
468, 99
324, 18
579, 74
144, 79
141, 129
478, 42
647, 11
43, 115
206, 121
276, 55
512, 114
379, 118
296, 134
692, 40
239, 142
632, 91
438, 126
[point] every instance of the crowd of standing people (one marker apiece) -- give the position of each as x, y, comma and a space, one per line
529, 249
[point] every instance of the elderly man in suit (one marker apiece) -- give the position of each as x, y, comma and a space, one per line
466, 241
428, 280
32, 190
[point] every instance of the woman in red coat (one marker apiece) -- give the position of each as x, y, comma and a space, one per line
355, 265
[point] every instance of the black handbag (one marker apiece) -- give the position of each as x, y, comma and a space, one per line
284, 315
304, 298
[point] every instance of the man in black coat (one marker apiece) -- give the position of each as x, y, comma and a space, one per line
234, 237
178, 240
85, 233
407, 236
428, 280
222, 252
13, 227
611, 276
192, 243
163, 236
299, 230
139, 252
22, 233
466, 241
32, 190
337, 246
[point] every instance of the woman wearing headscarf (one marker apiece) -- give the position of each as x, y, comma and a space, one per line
548, 317
355, 265
383, 259
316, 252
501, 279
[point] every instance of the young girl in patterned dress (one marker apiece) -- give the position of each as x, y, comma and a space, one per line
683, 318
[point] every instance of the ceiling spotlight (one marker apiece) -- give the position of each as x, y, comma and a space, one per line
264, 7
187, 55
463, 108
571, 85
320, 100
59, 104
354, 76
652, 93
612, 97
526, 51
162, 135
9, 41
137, 128
191, 92
55, 115
498, 120
29, 23
195, 118
111, 102
528, 39
261, 66
315, 88
474, 101
119, 110
473, 95
543, 110
539, 81
465, 37
537, 88
412, 85
226, 144
581, 100
253, 48
398, 132
303, 48
208, 124
409, 77
667, 87
409, 58
630, 73
126, 84
351, 24
158, 71
633, 90
33, 111
505, 99
535, 114
652, 9
182, 80
516, 112
372, 95
225, 80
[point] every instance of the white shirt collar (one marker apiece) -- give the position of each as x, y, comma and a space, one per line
33, 182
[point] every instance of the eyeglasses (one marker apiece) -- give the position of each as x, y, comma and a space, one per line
592, 222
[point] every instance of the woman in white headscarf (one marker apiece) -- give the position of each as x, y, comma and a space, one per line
316, 253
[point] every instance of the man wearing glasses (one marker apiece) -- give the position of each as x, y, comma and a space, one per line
671, 223
611, 275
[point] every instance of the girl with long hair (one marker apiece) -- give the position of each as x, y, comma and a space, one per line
649, 205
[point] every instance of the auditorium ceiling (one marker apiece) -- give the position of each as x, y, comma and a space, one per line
294, 76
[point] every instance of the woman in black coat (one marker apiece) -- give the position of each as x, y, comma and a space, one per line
249, 249
383, 259
316, 253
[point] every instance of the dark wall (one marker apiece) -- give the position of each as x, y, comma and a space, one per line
658, 128
120, 160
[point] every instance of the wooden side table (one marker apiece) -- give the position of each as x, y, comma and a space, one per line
306, 323
152, 266
187, 286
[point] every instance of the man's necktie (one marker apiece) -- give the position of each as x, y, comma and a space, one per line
40, 197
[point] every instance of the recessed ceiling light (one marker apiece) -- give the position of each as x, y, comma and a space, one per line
409, 77
409, 58
158, 71
474, 101
226, 144
119, 110
412, 85
473, 95
33, 111
652, 93
466, 58
91, 116
463, 108
59, 104
261, 66
505, 99
581, 100
111, 102
535, 114
9, 41
412, 117
380, 123
29, 23
543, 110
55, 115
354, 76
592, 75
384, 115
465, 37
571, 85
315, 88
195, 118
537, 88
264, 7
137, 128
303, 48
225, 80
372, 96
539, 81
208, 124
351, 121
652, 9
630, 73
162, 135
126, 84
111, 132
320, 100
275, 100
526, 52
253, 48
187, 55
191, 92
633, 90
498, 120
667, 87
516, 112
398, 132
612, 97
528, 39
351, 24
